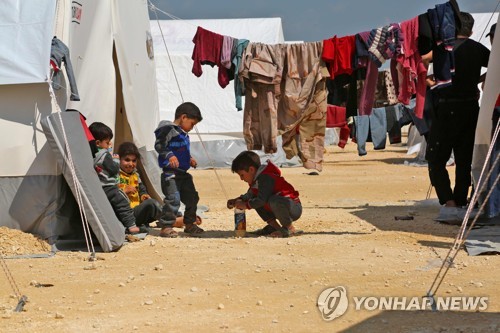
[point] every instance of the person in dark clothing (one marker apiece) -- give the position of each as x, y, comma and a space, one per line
454, 122
272, 197
174, 157
108, 168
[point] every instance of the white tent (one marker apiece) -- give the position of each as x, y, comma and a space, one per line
113, 61
490, 94
222, 126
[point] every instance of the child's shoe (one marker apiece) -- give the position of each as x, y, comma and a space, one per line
193, 230
168, 232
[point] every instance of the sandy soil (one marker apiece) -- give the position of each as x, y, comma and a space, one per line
223, 284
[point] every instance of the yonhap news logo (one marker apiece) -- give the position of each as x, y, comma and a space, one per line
333, 303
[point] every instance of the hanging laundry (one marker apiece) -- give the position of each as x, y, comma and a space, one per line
59, 53
261, 69
373, 48
239, 87
302, 108
411, 68
336, 118
385, 93
338, 54
371, 128
207, 51
338, 89
378, 128
442, 20
393, 127
362, 130
226, 52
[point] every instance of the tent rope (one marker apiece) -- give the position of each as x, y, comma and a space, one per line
462, 235
211, 161
489, 20
69, 161
20, 298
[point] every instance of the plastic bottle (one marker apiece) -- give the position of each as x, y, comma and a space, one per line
240, 222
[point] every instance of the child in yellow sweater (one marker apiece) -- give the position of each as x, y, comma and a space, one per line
146, 209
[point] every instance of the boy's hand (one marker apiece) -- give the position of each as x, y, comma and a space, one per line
173, 162
145, 197
129, 189
240, 204
231, 203
193, 163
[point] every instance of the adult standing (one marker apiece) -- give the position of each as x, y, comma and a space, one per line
454, 122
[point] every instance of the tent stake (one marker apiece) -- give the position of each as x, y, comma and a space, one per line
21, 303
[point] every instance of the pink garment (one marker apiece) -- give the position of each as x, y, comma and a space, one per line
227, 47
336, 117
207, 51
411, 69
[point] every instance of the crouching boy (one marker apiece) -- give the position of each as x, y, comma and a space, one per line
272, 197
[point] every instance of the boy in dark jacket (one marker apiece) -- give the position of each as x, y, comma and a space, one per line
107, 169
269, 194
174, 157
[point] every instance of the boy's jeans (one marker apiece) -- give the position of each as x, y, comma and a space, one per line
177, 189
284, 209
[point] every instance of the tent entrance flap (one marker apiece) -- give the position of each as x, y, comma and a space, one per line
64, 132
123, 131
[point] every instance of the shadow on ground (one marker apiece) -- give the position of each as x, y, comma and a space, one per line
429, 321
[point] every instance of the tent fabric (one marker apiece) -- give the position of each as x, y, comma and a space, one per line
58, 128
25, 32
103, 30
490, 94
110, 49
22, 106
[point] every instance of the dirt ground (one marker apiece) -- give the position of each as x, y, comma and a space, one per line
224, 284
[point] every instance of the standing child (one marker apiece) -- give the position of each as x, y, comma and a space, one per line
107, 170
174, 157
269, 194
146, 209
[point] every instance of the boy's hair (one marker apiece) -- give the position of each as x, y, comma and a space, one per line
467, 24
190, 110
245, 160
128, 148
101, 131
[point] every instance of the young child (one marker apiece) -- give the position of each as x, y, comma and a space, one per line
269, 194
146, 209
107, 169
174, 157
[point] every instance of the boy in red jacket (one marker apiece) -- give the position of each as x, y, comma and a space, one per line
272, 197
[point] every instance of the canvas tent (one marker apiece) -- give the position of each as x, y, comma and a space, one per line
484, 126
222, 126
113, 62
